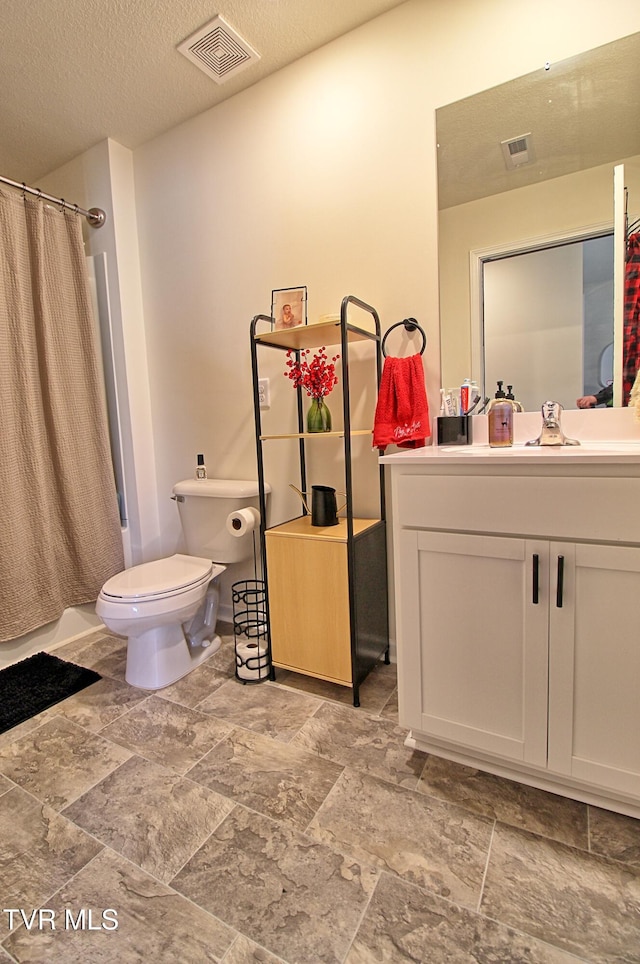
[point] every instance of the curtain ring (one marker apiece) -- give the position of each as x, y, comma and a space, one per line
24, 190
75, 209
39, 195
61, 205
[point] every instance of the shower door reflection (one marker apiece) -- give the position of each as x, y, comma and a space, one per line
548, 321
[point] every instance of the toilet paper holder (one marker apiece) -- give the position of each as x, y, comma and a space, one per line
242, 521
251, 631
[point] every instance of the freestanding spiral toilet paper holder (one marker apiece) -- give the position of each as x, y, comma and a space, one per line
250, 631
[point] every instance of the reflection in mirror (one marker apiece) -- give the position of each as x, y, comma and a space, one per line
528, 166
547, 319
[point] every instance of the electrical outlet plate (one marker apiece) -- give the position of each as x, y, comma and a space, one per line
264, 393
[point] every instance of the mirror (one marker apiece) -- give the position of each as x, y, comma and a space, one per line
527, 166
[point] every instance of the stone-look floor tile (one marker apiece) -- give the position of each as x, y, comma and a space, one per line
323, 689
390, 709
245, 951
59, 761
16, 732
614, 835
192, 689
263, 707
371, 744
405, 923
513, 803
39, 851
438, 846
114, 666
294, 896
87, 650
584, 904
275, 778
167, 733
70, 650
99, 704
154, 923
152, 817
374, 690
5, 785
224, 661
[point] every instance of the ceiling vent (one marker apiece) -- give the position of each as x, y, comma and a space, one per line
517, 151
218, 50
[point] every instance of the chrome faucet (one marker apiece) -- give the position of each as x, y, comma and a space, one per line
552, 433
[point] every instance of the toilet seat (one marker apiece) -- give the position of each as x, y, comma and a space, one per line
158, 580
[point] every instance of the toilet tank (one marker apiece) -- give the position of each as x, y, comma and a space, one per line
204, 506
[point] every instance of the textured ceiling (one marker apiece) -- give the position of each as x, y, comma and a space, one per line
73, 72
581, 113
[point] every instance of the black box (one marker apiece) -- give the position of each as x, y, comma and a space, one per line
455, 429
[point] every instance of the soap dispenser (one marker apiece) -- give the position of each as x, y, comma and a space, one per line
500, 420
515, 404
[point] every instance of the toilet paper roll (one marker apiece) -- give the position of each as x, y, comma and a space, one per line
251, 661
242, 521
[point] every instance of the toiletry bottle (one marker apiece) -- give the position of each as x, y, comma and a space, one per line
465, 396
201, 469
500, 420
515, 404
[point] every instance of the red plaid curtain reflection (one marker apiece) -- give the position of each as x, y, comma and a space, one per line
631, 347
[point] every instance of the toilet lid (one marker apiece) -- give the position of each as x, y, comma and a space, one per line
176, 573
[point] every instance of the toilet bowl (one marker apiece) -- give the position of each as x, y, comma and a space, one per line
168, 608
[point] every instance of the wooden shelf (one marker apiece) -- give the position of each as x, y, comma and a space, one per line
339, 434
324, 333
301, 528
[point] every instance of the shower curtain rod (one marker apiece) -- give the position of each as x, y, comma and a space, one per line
95, 216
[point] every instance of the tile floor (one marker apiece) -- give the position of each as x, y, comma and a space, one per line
276, 823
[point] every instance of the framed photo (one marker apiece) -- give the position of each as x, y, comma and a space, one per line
289, 307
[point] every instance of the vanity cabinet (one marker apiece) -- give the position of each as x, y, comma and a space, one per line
518, 622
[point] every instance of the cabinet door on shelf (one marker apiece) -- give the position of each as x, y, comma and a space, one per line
473, 639
594, 701
309, 606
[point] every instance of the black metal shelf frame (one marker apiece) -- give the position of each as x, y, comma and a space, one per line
366, 553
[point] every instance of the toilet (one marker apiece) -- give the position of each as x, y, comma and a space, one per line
168, 608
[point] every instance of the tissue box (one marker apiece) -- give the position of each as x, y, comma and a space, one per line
454, 429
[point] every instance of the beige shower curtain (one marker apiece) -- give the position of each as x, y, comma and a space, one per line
59, 524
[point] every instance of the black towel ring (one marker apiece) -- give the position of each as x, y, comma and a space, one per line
410, 324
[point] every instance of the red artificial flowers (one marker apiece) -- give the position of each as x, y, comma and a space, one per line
317, 377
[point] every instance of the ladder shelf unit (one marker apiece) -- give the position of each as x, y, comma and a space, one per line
326, 587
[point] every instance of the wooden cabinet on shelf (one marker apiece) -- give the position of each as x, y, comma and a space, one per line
326, 586
519, 653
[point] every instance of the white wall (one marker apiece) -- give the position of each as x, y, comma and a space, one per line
324, 175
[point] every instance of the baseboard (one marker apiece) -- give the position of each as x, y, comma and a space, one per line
73, 624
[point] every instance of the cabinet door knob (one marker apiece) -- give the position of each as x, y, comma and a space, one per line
536, 578
560, 582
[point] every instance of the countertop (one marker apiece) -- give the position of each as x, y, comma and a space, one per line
607, 436
588, 453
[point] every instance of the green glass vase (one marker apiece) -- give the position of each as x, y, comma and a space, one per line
318, 416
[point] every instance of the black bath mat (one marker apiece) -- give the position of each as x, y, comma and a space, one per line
33, 685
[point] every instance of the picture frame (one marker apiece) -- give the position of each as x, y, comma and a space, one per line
289, 308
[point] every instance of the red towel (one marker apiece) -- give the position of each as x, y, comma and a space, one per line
402, 410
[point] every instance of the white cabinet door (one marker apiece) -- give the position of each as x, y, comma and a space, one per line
594, 670
473, 641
